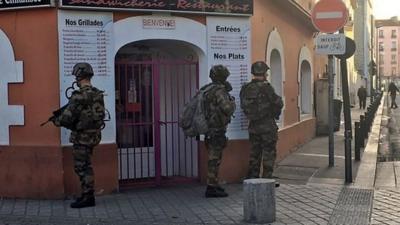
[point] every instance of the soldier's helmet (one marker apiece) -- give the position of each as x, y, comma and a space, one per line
82, 70
259, 68
219, 73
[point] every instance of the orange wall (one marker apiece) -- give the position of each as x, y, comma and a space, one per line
35, 165
35, 42
235, 158
295, 34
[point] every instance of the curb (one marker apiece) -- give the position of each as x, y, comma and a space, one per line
366, 172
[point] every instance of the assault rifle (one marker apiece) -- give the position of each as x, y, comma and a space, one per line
56, 114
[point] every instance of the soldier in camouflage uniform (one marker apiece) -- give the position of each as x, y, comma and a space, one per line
85, 133
220, 106
261, 106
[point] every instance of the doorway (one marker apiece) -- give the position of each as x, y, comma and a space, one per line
154, 79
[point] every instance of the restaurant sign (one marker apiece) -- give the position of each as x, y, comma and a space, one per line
222, 7
22, 4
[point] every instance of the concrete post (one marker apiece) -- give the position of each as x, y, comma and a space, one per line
259, 200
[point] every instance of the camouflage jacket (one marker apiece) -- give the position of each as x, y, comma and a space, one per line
74, 114
220, 106
261, 105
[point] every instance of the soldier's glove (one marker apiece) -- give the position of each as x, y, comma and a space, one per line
52, 119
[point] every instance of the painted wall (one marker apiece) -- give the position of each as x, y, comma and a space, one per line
32, 165
294, 34
33, 149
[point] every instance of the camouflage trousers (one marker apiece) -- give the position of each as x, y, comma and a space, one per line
263, 149
83, 167
215, 144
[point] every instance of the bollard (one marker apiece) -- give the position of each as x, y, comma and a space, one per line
362, 131
259, 200
357, 154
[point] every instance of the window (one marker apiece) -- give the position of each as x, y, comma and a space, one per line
305, 88
381, 70
394, 46
394, 61
381, 33
393, 71
380, 58
394, 34
381, 46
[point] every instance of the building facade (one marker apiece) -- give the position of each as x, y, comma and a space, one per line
387, 49
363, 36
149, 57
353, 76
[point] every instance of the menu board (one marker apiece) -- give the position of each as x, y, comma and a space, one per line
229, 44
87, 37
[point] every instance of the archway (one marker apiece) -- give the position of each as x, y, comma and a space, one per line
305, 79
156, 73
276, 59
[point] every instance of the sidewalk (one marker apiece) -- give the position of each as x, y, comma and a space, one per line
310, 193
309, 164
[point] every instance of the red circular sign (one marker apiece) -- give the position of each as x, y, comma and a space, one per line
329, 16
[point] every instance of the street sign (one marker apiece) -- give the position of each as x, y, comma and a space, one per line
330, 44
329, 16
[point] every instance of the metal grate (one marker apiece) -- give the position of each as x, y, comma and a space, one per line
354, 206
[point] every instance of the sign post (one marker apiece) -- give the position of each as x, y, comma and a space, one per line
350, 48
328, 16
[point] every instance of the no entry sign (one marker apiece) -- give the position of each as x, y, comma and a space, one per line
329, 16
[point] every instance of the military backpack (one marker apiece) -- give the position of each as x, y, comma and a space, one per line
256, 102
193, 119
93, 114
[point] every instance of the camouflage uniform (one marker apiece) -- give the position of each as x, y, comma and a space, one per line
263, 131
220, 109
83, 139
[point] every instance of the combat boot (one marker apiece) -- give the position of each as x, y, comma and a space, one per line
87, 200
215, 192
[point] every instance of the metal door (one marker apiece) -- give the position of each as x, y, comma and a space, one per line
149, 98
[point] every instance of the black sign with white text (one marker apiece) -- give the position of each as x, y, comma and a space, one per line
16, 4
232, 7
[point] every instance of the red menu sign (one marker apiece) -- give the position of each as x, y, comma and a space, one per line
231, 7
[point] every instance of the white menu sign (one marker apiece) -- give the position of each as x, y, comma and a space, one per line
87, 37
229, 44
